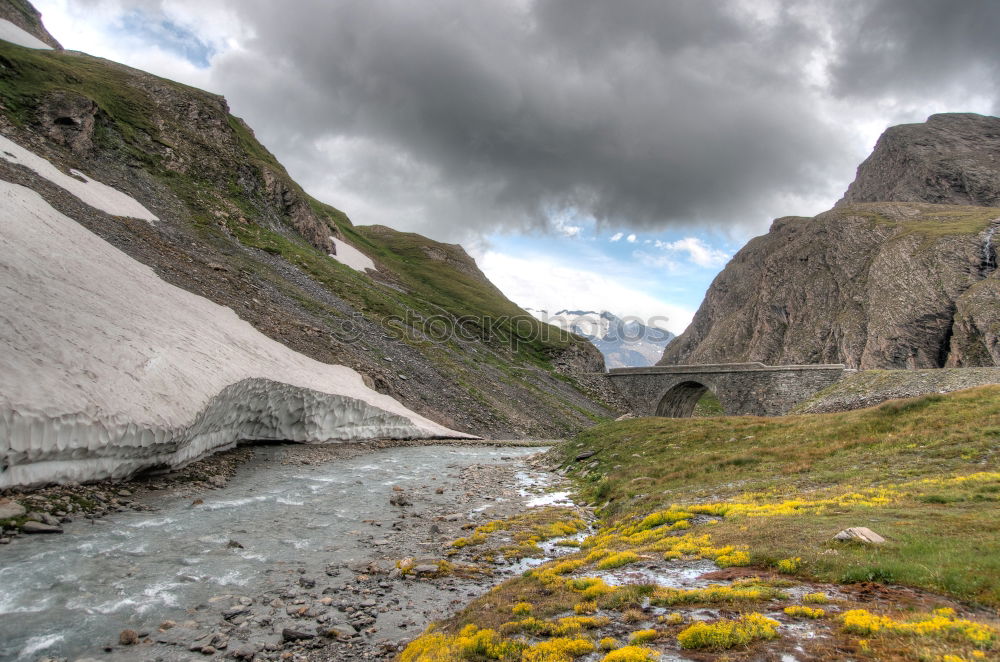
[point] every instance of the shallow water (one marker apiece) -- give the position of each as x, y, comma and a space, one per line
67, 595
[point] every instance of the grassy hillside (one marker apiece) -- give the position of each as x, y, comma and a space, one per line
237, 229
763, 499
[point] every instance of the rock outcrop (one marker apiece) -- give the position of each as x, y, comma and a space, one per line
892, 282
951, 159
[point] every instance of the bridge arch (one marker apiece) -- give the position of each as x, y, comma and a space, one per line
680, 399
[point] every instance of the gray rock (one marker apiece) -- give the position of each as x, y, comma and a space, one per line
10, 509
37, 527
233, 612
177, 636
949, 159
400, 499
860, 534
425, 569
246, 651
296, 633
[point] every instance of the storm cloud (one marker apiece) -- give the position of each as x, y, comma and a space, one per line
459, 118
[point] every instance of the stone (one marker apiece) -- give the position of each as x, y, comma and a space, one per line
217, 480
233, 612
585, 454
860, 534
128, 637
178, 636
246, 651
32, 526
400, 499
9, 509
296, 634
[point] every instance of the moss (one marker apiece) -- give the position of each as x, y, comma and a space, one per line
799, 611
725, 634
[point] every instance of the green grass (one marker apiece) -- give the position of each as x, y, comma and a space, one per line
708, 405
943, 535
929, 222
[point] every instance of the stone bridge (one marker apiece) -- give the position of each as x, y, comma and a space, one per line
742, 388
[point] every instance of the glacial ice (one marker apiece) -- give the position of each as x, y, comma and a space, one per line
350, 256
15, 35
105, 369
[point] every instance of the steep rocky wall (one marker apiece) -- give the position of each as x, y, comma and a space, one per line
952, 159
883, 280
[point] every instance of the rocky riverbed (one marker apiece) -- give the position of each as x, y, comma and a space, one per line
283, 552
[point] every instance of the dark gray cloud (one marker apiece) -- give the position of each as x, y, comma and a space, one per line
919, 47
457, 118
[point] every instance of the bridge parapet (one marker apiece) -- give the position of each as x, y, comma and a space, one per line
742, 388
724, 367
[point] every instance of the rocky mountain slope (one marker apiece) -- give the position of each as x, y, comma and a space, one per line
624, 342
424, 327
891, 277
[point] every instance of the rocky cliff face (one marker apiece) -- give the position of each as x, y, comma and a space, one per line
236, 229
874, 284
951, 159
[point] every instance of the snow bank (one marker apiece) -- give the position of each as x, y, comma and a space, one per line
351, 256
105, 369
15, 35
94, 193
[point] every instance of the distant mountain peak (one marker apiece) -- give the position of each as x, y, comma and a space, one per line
625, 341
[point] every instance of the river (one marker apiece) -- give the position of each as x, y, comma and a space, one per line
275, 528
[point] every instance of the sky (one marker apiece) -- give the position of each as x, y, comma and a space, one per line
589, 154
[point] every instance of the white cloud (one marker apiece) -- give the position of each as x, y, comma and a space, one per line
630, 239
697, 250
617, 236
541, 282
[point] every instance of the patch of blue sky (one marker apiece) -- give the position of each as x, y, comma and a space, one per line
158, 30
675, 266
